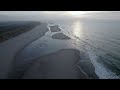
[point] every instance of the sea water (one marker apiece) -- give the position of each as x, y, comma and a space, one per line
99, 39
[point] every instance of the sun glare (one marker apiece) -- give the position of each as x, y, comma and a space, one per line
77, 13
77, 28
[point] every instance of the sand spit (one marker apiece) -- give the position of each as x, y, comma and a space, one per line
57, 65
55, 28
9, 48
60, 36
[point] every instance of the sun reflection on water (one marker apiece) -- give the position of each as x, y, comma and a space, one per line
77, 29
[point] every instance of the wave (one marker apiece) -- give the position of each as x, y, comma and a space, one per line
99, 60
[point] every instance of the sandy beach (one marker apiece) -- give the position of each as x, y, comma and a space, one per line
59, 45
12, 29
55, 28
9, 48
61, 64
60, 36
58, 65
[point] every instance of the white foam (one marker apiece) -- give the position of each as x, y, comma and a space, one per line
101, 71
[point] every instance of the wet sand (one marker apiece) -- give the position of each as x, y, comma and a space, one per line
11, 47
61, 64
58, 65
10, 31
60, 36
55, 28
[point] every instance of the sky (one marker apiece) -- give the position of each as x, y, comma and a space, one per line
23, 13
61, 14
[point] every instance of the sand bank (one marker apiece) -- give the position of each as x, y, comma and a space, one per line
58, 65
60, 36
9, 48
13, 30
55, 28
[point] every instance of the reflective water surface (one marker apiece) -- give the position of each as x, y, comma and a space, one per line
99, 40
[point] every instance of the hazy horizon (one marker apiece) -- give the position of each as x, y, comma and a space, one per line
60, 44
59, 15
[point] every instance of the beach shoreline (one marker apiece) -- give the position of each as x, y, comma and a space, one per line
15, 29
9, 48
58, 65
60, 36
61, 64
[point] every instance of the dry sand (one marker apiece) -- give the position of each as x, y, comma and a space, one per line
58, 65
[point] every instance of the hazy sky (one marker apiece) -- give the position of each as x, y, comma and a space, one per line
19, 13
63, 14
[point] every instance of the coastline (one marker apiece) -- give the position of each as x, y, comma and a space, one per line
15, 30
9, 48
58, 65
64, 58
61, 64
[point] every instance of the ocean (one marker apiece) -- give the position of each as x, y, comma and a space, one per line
98, 40
101, 39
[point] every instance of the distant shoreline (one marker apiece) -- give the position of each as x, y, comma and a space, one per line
10, 29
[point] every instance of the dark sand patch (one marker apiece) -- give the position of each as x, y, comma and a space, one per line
60, 36
88, 68
55, 28
86, 65
11, 49
10, 31
58, 65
